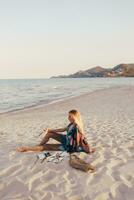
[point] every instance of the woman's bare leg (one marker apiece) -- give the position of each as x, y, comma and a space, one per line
53, 135
43, 146
47, 147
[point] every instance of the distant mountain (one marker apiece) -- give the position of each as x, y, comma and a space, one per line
121, 70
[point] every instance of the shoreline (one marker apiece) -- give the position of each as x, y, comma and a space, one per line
42, 105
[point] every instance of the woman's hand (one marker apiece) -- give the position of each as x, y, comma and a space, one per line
46, 130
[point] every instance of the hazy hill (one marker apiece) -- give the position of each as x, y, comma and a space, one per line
121, 70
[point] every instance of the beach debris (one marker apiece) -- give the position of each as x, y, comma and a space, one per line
57, 157
79, 161
80, 164
48, 157
42, 157
88, 158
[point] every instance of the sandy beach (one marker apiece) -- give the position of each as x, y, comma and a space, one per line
108, 115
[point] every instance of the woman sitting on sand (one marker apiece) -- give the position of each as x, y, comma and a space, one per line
73, 141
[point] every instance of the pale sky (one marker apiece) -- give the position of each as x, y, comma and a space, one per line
41, 38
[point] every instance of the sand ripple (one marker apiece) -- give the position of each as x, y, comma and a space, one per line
109, 123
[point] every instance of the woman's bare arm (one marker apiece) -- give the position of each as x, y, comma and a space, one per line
57, 130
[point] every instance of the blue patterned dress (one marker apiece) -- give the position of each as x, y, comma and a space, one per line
69, 141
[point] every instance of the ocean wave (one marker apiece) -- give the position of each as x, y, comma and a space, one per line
21, 94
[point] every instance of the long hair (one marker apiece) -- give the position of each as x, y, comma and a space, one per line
78, 120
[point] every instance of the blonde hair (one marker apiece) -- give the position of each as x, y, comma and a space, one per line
78, 120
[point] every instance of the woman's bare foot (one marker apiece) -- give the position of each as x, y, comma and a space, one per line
22, 149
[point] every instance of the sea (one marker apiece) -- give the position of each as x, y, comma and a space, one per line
16, 94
